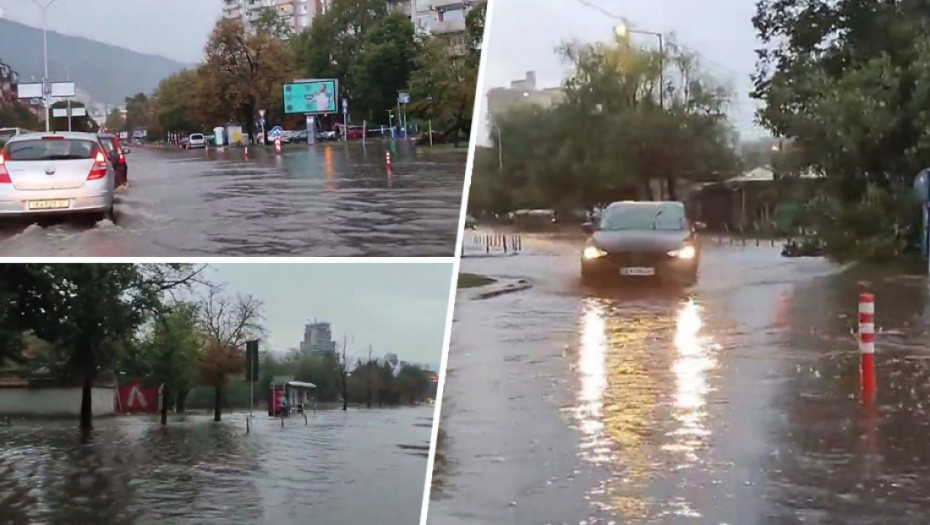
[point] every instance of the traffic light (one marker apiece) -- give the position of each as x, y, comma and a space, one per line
251, 361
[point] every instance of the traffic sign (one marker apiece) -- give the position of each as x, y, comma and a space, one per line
345, 105
262, 122
403, 98
276, 132
261, 114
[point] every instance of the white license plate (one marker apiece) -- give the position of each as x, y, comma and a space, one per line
638, 271
53, 204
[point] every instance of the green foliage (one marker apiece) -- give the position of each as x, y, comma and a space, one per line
847, 82
77, 123
611, 136
273, 23
137, 112
17, 115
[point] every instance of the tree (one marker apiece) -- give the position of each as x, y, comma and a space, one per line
18, 115
174, 106
242, 73
612, 137
219, 362
351, 32
443, 83
172, 349
843, 81
115, 120
383, 65
84, 123
85, 311
137, 112
272, 22
226, 322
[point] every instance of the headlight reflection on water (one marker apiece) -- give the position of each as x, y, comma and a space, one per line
693, 361
625, 361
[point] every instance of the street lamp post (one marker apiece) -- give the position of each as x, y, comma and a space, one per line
46, 87
623, 31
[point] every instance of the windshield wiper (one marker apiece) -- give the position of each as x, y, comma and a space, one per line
655, 220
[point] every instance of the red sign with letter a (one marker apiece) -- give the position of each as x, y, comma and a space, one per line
134, 399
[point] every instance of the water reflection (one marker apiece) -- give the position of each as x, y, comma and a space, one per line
639, 364
592, 367
693, 361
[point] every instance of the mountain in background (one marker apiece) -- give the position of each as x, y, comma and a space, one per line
109, 73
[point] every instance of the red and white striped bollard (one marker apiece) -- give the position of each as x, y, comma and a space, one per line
387, 160
867, 344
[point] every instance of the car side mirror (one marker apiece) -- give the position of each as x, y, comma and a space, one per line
588, 228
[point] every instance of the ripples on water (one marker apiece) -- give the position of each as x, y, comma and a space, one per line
356, 468
325, 200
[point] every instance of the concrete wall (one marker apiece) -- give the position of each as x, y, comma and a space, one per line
54, 402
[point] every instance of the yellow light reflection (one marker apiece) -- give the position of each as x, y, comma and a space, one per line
330, 169
640, 367
690, 367
593, 371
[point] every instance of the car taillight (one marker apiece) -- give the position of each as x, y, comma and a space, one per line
122, 156
4, 174
99, 170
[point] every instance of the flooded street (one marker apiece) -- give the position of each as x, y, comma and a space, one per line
356, 468
735, 402
325, 200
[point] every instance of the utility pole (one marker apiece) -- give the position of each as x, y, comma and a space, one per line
46, 85
368, 369
345, 375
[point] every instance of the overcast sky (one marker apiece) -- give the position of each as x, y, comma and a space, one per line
176, 29
524, 34
397, 308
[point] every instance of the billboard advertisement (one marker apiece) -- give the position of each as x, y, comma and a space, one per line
311, 97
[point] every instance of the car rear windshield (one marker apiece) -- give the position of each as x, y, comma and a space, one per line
648, 217
197, 137
44, 149
108, 143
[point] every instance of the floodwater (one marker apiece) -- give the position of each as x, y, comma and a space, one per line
735, 402
360, 467
322, 200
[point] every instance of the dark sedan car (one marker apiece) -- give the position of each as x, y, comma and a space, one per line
642, 240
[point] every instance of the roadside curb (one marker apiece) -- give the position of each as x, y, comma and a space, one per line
498, 289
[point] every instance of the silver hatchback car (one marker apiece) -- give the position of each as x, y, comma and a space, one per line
43, 173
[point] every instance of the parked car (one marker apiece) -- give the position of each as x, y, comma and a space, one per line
116, 153
642, 240
196, 140
43, 173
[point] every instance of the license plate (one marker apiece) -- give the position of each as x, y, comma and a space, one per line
638, 271
54, 204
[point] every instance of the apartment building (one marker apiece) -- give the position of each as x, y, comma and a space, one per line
8, 81
522, 92
435, 17
299, 13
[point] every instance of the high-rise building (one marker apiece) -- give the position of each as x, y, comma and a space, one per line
298, 13
435, 17
318, 337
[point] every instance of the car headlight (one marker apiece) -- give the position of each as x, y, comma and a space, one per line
593, 252
685, 252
